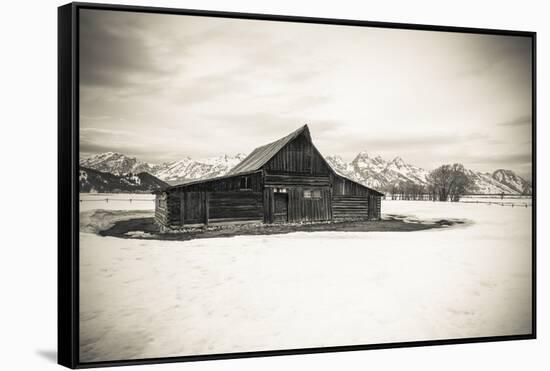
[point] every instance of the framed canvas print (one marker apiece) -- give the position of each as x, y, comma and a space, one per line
237, 185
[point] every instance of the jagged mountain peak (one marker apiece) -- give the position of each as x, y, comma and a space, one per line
361, 156
374, 172
398, 161
188, 169
335, 158
116, 163
379, 174
503, 172
512, 181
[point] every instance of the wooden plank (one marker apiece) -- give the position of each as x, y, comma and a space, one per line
230, 222
272, 205
206, 207
266, 206
219, 220
299, 155
283, 180
182, 210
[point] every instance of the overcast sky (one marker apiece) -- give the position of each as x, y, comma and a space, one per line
162, 87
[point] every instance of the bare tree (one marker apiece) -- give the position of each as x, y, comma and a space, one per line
448, 182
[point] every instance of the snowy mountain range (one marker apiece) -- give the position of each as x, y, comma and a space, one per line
187, 169
95, 181
374, 172
117, 164
174, 172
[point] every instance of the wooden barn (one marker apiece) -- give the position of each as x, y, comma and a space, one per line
284, 181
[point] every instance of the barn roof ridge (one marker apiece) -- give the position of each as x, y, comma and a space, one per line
262, 154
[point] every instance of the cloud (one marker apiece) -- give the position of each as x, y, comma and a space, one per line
207, 88
518, 121
492, 53
163, 86
513, 159
114, 53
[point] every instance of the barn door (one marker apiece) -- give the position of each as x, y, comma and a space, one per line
194, 208
372, 207
280, 213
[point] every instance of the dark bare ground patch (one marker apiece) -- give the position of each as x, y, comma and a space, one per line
146, 228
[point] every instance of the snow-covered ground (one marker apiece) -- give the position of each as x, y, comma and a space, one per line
517, 200
116, 201
144, 298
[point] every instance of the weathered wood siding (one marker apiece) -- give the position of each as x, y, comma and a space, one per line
201, 207
350, 207
222, 185
298, 156
300, 209
345, 187
194, 208
167, 209
284, 180
235, 206
353, 201
375, 203
161, 209
208, 201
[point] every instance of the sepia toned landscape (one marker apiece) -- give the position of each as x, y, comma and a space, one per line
253, 186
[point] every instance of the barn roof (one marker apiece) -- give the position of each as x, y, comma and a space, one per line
259, 156
206, 180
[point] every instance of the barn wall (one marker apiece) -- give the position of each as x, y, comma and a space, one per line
283, 180
194, 208
167, 209
345, 187
304, 209
161, 211
300, 209
201, 207
235, 206
196, 197
298, 156
354, 201
269, 204
222, 185
350, 207
375, 212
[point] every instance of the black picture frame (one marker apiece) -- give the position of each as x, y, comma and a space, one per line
68, 185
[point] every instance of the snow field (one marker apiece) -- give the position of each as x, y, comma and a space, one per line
143, 298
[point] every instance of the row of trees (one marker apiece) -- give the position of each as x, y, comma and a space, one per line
406, 190
446, 183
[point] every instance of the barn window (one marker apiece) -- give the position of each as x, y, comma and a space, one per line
315, 194
245, 183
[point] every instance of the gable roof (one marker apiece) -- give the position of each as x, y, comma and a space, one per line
261, 155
